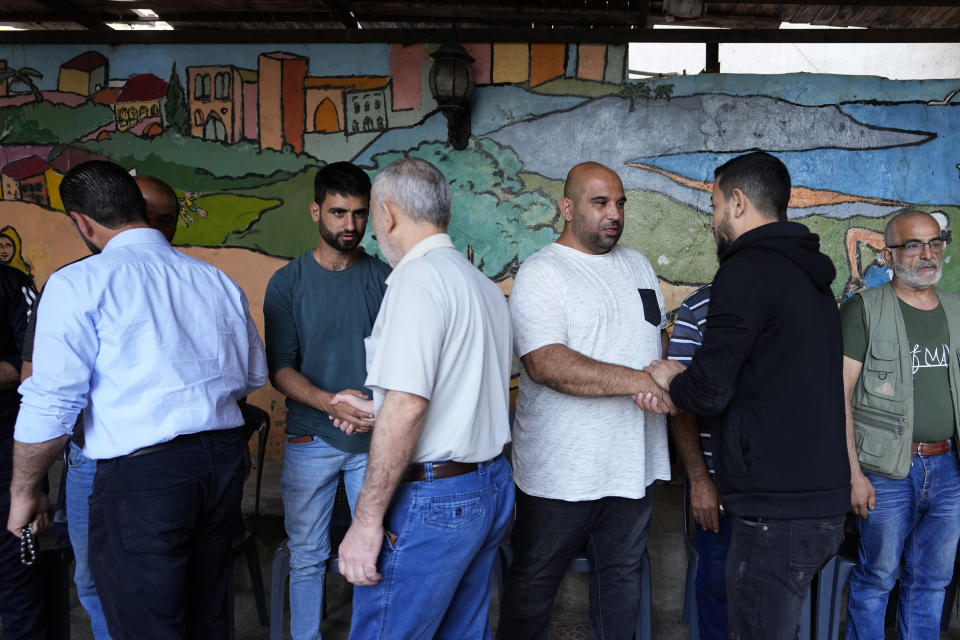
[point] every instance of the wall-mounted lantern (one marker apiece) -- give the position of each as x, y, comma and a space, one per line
451, 83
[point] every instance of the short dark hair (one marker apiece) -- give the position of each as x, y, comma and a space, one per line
105, 192
342, 178
762, 177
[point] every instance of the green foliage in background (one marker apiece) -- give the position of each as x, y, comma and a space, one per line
48, 123
193, 164
495, 222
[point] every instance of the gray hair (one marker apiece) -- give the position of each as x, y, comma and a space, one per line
418, 188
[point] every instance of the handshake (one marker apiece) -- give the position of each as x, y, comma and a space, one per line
656, 397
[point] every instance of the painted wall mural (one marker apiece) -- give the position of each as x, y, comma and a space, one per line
239, 131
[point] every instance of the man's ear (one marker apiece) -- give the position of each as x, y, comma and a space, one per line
315, 211
388, 216
738, 202
83, 224
566, 208
887, 256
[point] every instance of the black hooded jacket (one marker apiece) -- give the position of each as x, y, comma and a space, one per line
771, 368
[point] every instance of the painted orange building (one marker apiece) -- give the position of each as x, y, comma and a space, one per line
85, 74
352, 104
219, 101
25, 180
281, 100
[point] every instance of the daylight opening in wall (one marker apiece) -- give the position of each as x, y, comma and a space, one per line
899, 61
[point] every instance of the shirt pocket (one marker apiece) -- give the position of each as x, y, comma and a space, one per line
651, 307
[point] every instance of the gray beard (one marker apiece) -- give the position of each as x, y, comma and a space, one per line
912, 277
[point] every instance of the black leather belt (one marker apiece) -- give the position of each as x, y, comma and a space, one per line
181, 441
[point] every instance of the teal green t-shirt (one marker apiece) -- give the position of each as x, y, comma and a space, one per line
315, 322
929, 344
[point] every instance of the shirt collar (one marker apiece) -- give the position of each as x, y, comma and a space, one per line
422, 248
140, 235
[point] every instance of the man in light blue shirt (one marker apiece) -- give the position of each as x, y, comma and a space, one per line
155, 348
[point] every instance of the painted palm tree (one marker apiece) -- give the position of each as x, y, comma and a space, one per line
23, 75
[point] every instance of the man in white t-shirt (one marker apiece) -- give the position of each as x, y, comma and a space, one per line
438, 494
587, 317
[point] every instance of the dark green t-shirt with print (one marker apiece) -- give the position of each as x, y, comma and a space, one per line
929, 344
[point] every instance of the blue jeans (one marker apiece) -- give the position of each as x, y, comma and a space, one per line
308, 484
436, 576
916, 518
711, 580
80, 472
770, 565
547, 535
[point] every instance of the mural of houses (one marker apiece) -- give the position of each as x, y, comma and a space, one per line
223, 103
140, 105
350, 104
84, 74
25, 180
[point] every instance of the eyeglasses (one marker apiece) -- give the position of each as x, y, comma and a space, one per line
915, 247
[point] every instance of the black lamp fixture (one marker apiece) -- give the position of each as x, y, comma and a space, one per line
451, 83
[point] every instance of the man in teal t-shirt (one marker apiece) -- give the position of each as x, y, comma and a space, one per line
317, 311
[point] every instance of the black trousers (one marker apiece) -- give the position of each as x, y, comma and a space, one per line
21, 593
161, 529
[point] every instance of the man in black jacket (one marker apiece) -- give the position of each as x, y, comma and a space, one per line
771, 368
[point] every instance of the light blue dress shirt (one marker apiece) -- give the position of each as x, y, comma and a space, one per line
148, 342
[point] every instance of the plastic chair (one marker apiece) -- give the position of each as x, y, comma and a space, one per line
280, 567
256, 420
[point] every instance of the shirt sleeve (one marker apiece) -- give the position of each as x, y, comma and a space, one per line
64, 355
537, 309
256, 359
407, 346
686, 337
853, 323
26, 353
736, 317
280, 326
18, 312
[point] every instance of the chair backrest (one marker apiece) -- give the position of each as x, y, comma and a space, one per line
689, 532
256, 420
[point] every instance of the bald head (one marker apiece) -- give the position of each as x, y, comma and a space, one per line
581, 174
896, 230
163, 206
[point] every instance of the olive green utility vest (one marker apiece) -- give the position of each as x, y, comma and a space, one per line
882, 401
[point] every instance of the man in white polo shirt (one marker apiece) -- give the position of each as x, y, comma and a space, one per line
438, 493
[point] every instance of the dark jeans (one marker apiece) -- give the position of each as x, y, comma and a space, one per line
770, 565
547, 535
21, 594
161, 528
712, 580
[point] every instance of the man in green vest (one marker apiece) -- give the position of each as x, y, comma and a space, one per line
901, 380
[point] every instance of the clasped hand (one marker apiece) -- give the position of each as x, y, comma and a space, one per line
662, 372
352, 411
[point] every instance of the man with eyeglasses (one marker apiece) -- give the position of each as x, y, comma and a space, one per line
901, 376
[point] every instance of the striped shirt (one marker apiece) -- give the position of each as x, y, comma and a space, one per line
687, 337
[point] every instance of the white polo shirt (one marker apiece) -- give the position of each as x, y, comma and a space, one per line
443, 333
